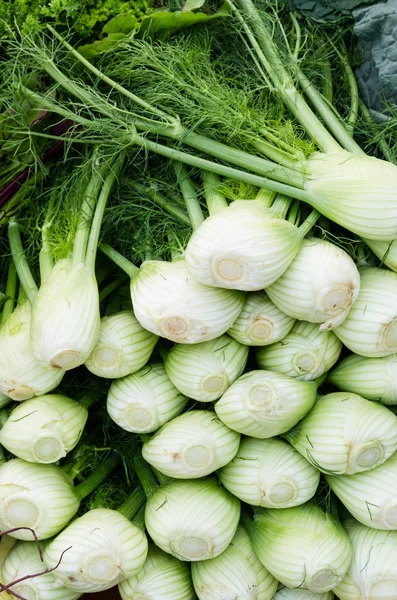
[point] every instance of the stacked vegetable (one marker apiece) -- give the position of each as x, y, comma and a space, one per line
210, 324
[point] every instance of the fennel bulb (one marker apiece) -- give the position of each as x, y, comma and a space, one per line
373, 378
192, 519
370, 328
192, 445
24, 560
372, 571
355, 191
104, 549
143, 401
44, 429
320, 285
236, 573
370, 496
244, 246
294, 594
169, 302
22, 376
305, 353
385, 251
345, 434
204, 371
263, 404
43, 497
269, 473
65, 316
301, 546
123, 346
260, 322
162, 577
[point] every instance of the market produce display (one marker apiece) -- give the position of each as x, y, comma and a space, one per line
198, 300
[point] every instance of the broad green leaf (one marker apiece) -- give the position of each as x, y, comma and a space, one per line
192, 5
162, 25
96, 48
122, 24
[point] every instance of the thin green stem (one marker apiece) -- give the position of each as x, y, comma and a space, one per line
215, 200
21, 263
220, 169
132, 505
270, 59
176, 249
123, 263
11, 290
189, 194
163, 202
266, 196
97, 477
46, 261
81, 240
89, 399
161, 478
280, 156
276, 141
351, 80
309, 223
99, 211
328, 89
110, 287
145, 476
293, 215
91, 67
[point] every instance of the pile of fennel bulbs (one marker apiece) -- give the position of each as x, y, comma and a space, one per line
245, 355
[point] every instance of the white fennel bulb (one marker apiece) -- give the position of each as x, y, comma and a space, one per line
192, 519
302, 547
355, 191
305, 353
373, 378
171, 303
23, 376
263, 404
123, 346
385, 251
44, 429
38, 496
370, 329
242, 247
162, 577
370, 496
260, 323
104, 549
320, 285
192, 445
24, 560
345, 434
269, 473
372, 572
143, 401
236, 573
295, 594
204, 371
65, 316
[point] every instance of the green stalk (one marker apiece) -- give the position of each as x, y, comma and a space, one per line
46, 261
267, 53
309, 223
123, 263
89, 399
133, 503
139, 519
176, 249
19, 258
163, 202
293, 215
328, 90
97, 477
11, 289
279, 156
189, 194
93, 239
4, 414
215, 200
220, 169
110, 287
281, 205
266, 196
80, 246
145, 476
